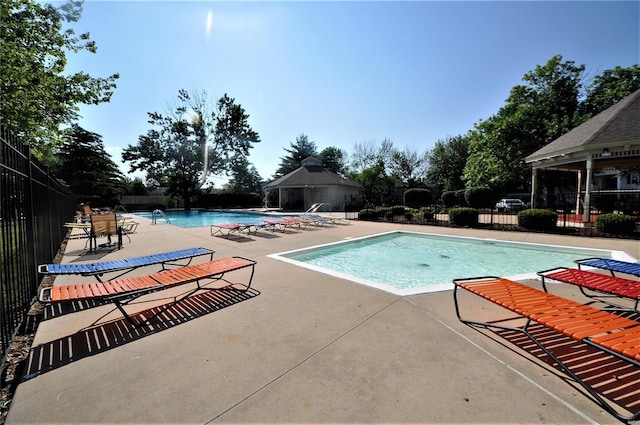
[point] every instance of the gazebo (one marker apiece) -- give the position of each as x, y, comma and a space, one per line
607, 144
313, 184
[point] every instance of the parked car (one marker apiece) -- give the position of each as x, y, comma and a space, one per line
511, 205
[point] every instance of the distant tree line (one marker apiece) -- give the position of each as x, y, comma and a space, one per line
199, 138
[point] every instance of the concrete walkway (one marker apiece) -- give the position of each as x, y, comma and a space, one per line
304, 348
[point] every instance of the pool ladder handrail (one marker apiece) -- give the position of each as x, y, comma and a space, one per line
156, 213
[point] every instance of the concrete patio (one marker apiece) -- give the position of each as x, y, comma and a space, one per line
303, 348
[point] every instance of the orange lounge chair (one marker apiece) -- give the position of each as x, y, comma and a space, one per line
607, 286
123, 291
226, 227
602, 330
104, 225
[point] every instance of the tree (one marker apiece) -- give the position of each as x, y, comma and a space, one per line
375, 182
608, 88
88, 170
446, 163
37, 97
369, 154
535, 113
176, 154
334, 159
299, 150
408, 166
245, 177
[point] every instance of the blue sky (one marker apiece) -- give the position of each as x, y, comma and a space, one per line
340, 72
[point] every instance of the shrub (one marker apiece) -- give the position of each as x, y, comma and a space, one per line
616, 223
425, 213
479, 197
463, 216
453, 198
368, 214
417, 197
398, 210
537, 219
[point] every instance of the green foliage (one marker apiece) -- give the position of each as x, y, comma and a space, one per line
608, 88
537, 219
368, 214
301, 149
417, 197
244, 177
408, 166
334, 159
446, 161
36, 94
425, 213
454, 198
375, 182
616, 223
398, 210
463, 216
87, 169
480, 197
173, 152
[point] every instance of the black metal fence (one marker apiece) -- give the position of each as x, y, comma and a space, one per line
569, 207
33, 209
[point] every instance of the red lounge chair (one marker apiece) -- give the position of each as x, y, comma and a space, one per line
602, 330
280, 224
607, 286
225, 227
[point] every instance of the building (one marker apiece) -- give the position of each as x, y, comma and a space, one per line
604, 153
313, 184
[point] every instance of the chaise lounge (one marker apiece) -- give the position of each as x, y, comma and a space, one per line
122, 291
98, 269
605, 286
602, 330
611, 265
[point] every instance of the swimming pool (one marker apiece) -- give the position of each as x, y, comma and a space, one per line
406, 263
206, 218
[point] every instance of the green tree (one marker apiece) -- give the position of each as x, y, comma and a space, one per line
334, 159
535, 113
244, 177
299, 150
446, 162
608, 88
408, 166
190, 141
375, 183
90, 173
37, 98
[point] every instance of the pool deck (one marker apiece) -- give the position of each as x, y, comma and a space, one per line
304, 348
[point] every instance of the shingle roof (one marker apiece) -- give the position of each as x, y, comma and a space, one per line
312, 174
618, 124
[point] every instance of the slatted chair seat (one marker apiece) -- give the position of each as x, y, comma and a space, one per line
122, 291
608, 332
609, 286
611, 265
126, 265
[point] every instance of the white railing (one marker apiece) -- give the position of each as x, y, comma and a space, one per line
156, 213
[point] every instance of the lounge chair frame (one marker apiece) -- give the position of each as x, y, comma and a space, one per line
123, 291
610, 265
602, 330
603, 286
126, 265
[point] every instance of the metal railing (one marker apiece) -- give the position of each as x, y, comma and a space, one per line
33, 210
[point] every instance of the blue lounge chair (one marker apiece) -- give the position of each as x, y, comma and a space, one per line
611, 265
125, 265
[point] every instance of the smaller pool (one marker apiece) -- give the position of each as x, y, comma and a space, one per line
206, 218
406, 263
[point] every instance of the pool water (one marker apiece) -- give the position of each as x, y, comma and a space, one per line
406, 263
206, 218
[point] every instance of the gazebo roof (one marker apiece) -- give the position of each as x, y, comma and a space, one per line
614, 129
312, 173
